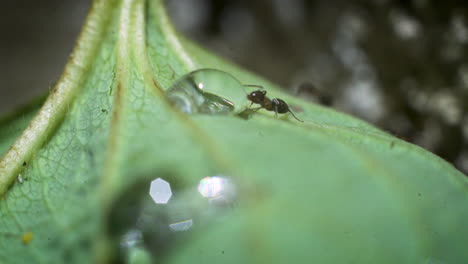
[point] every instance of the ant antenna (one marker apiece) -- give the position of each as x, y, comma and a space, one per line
254, 86
295, 116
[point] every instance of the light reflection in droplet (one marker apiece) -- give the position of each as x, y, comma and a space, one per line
20, 178
132, 238
220, 200
210, 187
219, 190
160, 191
181, 226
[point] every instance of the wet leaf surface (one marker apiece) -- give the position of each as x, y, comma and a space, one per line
332, 189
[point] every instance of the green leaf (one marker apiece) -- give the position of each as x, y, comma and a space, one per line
332, 189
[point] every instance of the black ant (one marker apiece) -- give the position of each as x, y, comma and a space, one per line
277, 105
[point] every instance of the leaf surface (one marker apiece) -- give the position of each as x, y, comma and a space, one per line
333, 189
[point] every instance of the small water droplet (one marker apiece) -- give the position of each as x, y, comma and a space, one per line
208, 91
20, 178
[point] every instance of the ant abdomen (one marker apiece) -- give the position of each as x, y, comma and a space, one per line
280, 106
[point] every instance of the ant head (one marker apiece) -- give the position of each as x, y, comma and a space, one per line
257, 96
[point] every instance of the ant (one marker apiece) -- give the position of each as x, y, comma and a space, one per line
277, 105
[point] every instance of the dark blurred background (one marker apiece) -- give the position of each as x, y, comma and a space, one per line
400, 64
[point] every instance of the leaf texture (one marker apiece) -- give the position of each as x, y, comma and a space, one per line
333, 189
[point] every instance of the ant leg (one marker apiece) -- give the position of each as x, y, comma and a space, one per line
276, 111
295, 116
250, 105
256, 109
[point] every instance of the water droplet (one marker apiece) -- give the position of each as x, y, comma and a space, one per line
20, 178
158, 212
208, 91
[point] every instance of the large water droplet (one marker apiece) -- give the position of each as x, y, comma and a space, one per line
208, 91
152, 216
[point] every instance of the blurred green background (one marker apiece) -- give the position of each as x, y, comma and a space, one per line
402, 65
